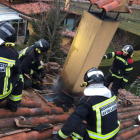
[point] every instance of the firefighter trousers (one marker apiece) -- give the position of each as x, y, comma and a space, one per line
116, 83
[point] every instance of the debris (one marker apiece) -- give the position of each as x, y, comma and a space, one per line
14, 132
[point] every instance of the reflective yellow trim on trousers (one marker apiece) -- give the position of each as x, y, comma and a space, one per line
40, 67
106, 56
125, 80
62, 135
94, 135
76, 136
15, 97
120, 77
129, 69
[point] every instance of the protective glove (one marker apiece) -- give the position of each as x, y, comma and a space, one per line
41, 81
35, 76
57, 137
43, 74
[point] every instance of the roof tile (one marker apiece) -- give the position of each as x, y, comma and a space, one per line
111, 5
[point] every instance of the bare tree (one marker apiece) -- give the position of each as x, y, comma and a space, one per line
49, 25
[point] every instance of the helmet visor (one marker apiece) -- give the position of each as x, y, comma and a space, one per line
124, 51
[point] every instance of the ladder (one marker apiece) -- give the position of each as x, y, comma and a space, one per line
134, 83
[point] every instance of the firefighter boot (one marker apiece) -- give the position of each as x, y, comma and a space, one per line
11, 105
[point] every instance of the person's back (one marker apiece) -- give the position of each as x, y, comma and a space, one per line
9, 68
11, 78
30, 64
98, 108
102, 117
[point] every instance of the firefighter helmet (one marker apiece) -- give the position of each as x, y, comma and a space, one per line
42, 46
128, 49
7, 32
93, 76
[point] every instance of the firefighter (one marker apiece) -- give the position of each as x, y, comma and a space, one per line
11, 79
30, 64
121, 68
98, 108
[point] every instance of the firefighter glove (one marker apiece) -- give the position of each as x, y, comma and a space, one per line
43, 74
35, 76
57, 137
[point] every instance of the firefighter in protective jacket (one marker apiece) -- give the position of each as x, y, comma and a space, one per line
121, 68
98, 108
11, 79
30, 64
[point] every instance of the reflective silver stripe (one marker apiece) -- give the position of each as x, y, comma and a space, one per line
15, 97
5, 30
94, 135
103, 103
6, 80
62, 135
98, 117
76, 136
3, 96
40, 44
8, 61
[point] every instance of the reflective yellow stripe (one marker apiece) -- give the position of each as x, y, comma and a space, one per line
7, 93
15, 97
122, 60
98, 123
62, 135
113, 54
116, 75
106, 56
40, 67
7, 61
23, 52
31, 72
129, 69
21, 77
7, 70
94, 135
76, 136
98, 113
104, 103
125, 80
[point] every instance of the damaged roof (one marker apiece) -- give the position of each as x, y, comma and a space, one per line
26, 8
112, 5
37, 109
